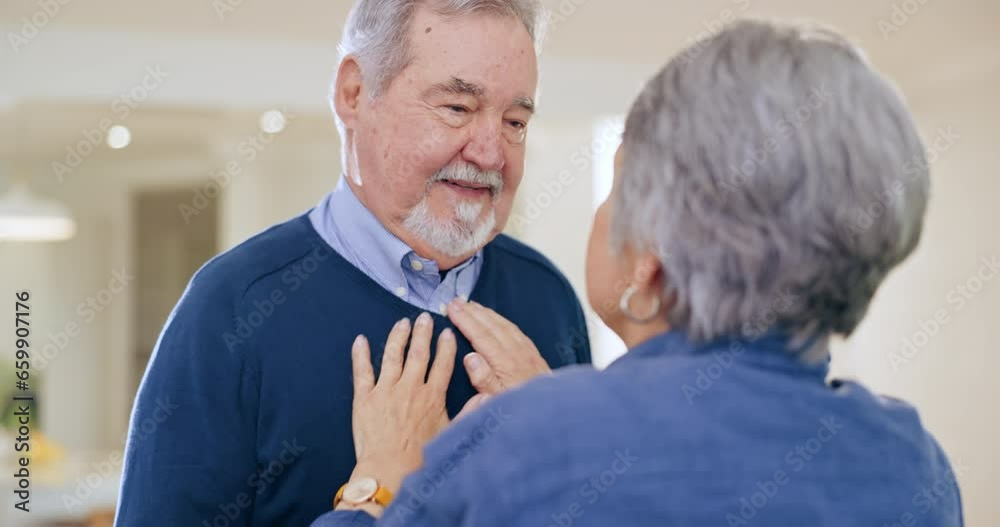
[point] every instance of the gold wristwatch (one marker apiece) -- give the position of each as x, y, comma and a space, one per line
363, 490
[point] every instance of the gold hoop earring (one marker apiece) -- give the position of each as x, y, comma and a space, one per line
626, 299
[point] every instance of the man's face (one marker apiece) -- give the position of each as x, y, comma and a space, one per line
440, 151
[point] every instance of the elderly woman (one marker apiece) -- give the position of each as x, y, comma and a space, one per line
728, 254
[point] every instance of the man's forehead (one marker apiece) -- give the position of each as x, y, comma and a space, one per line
460, 56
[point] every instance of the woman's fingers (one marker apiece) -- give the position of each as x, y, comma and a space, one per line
462, 316
512, 357
496, 320
483, 378
364, 376
392, 357
444, 362
397, 417
503, 337
420, 350
482, 333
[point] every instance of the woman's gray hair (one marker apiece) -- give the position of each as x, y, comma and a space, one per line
778, 178
376, 32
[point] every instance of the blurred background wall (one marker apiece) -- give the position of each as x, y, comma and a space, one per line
206, 167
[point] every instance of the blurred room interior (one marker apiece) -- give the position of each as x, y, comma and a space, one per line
222, 127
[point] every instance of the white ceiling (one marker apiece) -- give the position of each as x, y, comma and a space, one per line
270, 53
631, 30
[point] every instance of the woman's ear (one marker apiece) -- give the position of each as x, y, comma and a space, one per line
347, 92
647, 272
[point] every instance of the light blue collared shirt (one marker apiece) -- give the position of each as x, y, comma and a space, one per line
360, 238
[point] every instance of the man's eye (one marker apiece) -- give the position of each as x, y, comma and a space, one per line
457, 108
518, 125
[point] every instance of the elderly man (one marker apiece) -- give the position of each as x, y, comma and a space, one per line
432, 98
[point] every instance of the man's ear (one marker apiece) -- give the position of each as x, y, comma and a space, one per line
347, 94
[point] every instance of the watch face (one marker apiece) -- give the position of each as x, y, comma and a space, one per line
360, 490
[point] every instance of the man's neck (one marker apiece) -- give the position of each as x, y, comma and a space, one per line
423, 250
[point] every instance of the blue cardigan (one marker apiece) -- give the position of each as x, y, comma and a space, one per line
736, 433
244, 415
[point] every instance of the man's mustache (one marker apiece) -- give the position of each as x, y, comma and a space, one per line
469, 173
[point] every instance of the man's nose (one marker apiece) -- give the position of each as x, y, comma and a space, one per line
485, 148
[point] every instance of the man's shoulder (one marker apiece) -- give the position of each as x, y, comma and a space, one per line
508, 247
513, 252
234, 271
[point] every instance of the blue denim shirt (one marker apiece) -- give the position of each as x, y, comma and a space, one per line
357, 235
733, 433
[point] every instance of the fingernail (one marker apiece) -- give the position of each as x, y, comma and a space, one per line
475, 362
424, 319
448, 334
359, 341
402, 323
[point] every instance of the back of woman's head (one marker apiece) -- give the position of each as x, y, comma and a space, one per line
778, 177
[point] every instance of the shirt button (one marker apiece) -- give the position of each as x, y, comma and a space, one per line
416, 265
443, 309
465, 298
400, 292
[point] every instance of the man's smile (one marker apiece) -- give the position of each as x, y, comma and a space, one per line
467, 189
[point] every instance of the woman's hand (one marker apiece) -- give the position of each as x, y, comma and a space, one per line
504, 358
396, 416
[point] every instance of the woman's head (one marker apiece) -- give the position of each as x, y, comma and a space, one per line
769, 177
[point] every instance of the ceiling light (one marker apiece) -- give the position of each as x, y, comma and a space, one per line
27, 217
119, 137
272, 121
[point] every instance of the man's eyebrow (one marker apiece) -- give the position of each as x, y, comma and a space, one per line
525, 102
457, 86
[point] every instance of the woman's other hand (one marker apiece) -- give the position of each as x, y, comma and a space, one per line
504, 356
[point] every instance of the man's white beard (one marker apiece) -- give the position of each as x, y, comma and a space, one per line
466, 233
454, 238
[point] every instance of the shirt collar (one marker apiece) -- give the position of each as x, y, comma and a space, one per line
385, 257
356, 225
